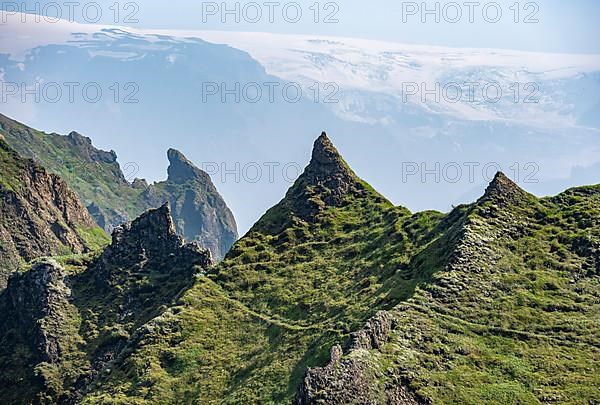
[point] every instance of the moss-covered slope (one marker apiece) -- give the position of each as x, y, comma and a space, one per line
336, 296
65, 323
512, 317
314, 268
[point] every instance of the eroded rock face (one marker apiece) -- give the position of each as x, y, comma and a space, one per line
199, 212
39, 333
375, 333
328, 176
150, 239
351, 377
328, 169
327, 182
39, 214
37, 297
502, 191
89, 152
62, 330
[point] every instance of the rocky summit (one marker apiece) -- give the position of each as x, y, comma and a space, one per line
66, 323
335, 296
200, 212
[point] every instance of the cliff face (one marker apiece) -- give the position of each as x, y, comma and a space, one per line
199, 212
39, 215
64, 324
95, 175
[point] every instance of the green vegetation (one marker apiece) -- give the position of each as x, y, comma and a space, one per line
495, 302
11, 166
62, 326
512, 316
39, 215
94, 238
94, 175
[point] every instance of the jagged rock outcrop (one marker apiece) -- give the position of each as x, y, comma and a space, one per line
327, 177
38, 333
39, 215
328, 171
61, 330
375, 333
87, 151
480, 305
149, 240
36, 298
327, 182
350, 377
199, 211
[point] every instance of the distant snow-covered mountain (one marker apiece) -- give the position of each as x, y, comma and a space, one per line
556, 89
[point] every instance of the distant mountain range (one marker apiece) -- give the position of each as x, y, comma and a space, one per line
546, 146
334, 296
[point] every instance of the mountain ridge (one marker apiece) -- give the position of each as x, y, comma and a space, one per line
338, 296
40, 215
200, 212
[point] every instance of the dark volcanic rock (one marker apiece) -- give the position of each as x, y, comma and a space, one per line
182, 170
61, 330
502, 191
329, 173
141, 184
86, 150
374, 334
327, 182
149, 239
39, 295
95, 175
353, 379
38, 333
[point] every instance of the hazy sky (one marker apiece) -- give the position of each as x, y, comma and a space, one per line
546, 25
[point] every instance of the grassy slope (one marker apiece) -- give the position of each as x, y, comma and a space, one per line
286, 292
517, 322
496, 302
